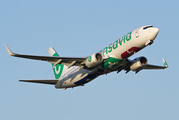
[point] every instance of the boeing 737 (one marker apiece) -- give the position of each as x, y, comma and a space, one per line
74, 71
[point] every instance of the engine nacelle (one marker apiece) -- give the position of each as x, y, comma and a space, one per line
138, 64
94, 60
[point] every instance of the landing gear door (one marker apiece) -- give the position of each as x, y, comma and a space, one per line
137, 33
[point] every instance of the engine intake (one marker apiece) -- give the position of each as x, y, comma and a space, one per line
94, 60
138, 63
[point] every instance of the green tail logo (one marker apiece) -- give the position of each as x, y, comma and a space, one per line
58, 69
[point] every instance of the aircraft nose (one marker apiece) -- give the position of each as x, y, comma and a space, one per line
154, 31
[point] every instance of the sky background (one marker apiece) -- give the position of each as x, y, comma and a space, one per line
79, 28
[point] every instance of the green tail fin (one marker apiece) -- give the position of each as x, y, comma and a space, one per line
59, 68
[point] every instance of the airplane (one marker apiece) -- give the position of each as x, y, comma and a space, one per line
76, 71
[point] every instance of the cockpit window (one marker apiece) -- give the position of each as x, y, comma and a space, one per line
147, 27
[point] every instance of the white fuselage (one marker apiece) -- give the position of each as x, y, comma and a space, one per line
120, 50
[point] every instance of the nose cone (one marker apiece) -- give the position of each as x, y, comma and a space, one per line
153, 33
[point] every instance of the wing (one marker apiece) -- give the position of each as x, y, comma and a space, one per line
56, 60
52, 82
156, 66
127, 63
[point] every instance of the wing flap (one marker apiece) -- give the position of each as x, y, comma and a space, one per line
52, 82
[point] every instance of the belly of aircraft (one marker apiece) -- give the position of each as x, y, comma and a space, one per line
76, 79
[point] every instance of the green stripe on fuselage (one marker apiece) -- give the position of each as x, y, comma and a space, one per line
111, 63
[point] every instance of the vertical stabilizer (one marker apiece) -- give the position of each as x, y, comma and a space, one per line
58, 69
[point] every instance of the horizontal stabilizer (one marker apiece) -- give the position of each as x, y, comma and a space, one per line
52, 82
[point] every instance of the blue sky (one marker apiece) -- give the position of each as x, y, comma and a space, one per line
77, 29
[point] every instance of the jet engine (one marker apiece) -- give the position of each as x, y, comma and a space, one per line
138, 64
94, 60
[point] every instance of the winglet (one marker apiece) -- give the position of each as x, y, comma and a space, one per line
9, 51
165, 63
